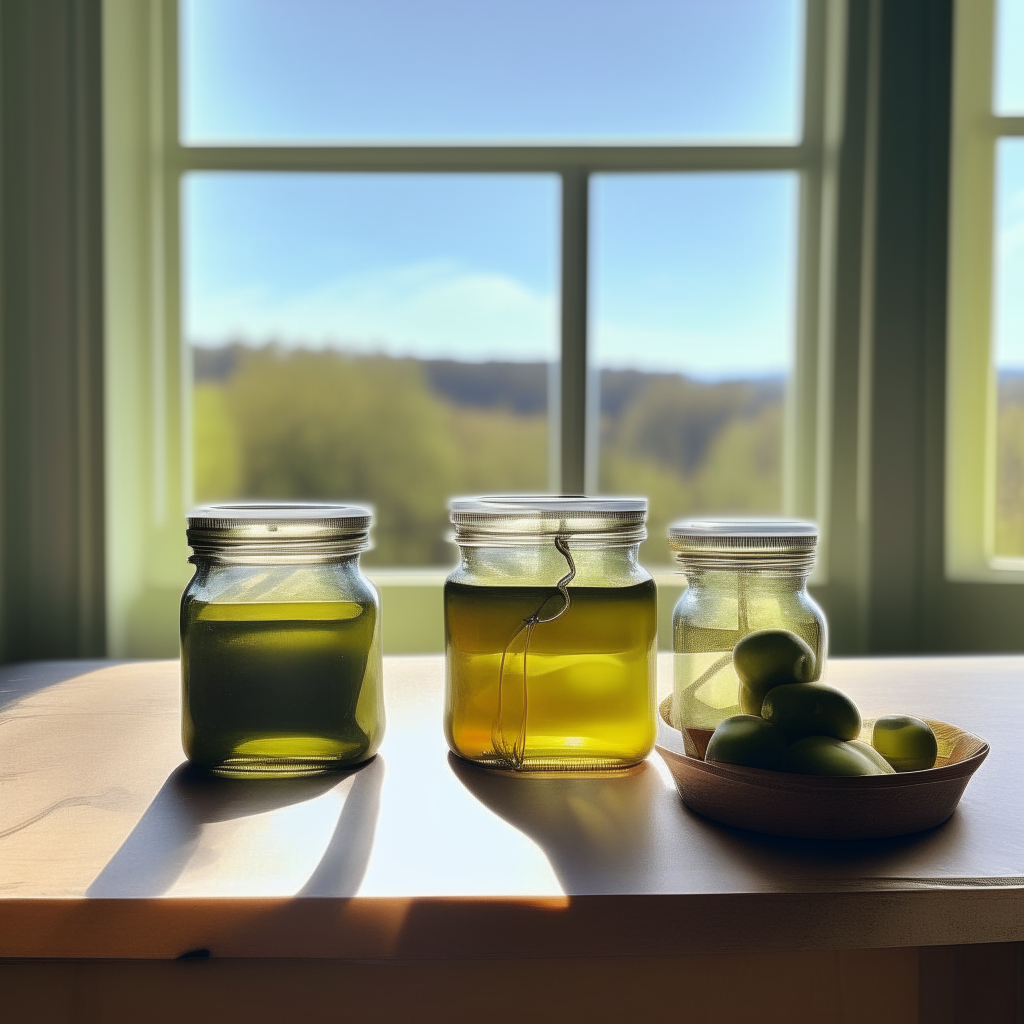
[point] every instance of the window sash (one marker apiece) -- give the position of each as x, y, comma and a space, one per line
151, 485
972, 384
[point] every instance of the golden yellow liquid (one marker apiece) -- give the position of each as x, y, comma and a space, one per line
578, 696
280, 688
706, 689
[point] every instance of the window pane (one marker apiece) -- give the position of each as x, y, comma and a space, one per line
1010, 57
694, 306
383, 338
1008, 331
327, 70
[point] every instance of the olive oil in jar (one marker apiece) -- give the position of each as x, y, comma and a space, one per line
281, 665
705, 685
279, 683
572, 692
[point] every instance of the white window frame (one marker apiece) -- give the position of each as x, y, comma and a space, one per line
972, 384
148, 374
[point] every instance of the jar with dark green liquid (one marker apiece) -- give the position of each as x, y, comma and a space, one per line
280, 641
550, 630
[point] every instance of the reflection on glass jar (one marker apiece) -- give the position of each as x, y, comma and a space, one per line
741, 576
280, 641
550, 633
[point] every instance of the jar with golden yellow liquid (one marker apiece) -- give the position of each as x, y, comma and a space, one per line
741, 576
281, 668
550, 634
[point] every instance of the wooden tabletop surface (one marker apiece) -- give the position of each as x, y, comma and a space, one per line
111, 847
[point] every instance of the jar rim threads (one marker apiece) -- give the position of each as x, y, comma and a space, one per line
252, 532
518, 519
744, 544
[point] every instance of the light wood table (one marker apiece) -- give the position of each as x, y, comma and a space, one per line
111, 848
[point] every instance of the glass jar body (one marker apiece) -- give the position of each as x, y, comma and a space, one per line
533, 683
717, 609
281, 667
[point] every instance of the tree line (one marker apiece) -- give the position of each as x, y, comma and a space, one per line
406, 435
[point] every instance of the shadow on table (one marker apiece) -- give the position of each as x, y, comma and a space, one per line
597, 831
630, 832
799, 863
22, 680
160, 846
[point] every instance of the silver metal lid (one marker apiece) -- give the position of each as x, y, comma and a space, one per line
538, 518
734, 542
252, 532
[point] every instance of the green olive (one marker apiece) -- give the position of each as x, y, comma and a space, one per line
873, 756
770, 658
747, 740
825, 755
908, 744
751, 700
811, 709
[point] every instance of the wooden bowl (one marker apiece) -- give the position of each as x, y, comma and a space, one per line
823, 807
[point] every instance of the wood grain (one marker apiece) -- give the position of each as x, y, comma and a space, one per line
111, 848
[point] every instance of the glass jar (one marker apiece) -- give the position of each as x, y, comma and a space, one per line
550, 631
741, 576
281, 669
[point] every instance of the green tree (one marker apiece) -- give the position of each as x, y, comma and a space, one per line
694, 449
499, 451
324, 425
217, 456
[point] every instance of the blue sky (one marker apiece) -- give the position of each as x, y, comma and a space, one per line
453, 266
1008, 305
693, 273
1008, 319
301, 70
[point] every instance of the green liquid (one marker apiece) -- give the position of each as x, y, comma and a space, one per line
582, 697
280, 689
706, 689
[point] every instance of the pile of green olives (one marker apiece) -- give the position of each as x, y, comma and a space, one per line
793, 724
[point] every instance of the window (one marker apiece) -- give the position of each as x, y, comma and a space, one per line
519, 245
383, 337
693, 310
985, 458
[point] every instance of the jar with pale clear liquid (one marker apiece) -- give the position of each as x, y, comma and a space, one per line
281, 668
550, 634
741, 576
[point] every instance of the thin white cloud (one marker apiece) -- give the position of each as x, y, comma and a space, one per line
430, 310
622, 346
440, 310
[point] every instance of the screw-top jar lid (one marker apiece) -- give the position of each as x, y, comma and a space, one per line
253, 532
509, 520
733, 543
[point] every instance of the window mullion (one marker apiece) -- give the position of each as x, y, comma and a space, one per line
572, 474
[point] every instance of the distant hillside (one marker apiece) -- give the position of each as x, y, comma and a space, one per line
523, 387
519, 387
407, 434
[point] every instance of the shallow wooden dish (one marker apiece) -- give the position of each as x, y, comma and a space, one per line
823, 807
